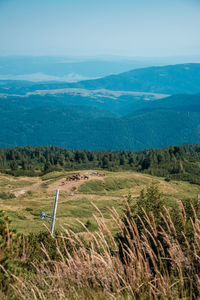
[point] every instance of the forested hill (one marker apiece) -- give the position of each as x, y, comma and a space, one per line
173, 79
130, 111
77, 122
175, 162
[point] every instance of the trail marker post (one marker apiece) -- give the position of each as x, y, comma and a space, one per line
53, 218
54, 212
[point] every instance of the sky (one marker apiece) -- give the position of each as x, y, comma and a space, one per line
136, 28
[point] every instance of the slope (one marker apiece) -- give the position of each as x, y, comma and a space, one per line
174, 79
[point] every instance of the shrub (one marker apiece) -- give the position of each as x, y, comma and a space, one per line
5, 196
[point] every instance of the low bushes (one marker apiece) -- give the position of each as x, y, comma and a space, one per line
155, 255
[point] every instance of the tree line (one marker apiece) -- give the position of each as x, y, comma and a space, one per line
174, 162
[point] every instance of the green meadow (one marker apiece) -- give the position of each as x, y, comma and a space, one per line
23, 198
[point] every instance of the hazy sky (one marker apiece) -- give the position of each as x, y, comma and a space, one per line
99, 27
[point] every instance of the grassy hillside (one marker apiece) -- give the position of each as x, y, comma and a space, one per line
105, 245
23, 198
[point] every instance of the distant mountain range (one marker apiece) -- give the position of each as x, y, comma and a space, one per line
92, 115
73, 69
175, 79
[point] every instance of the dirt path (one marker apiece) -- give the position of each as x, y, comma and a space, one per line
20, 191
62, 184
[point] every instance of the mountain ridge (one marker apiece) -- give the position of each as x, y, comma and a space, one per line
172, 80
105, 121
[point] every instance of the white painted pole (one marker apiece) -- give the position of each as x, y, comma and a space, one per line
54, 212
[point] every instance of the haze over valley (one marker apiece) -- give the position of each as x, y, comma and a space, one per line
148, 107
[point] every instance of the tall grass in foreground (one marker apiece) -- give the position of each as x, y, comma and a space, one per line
160, 260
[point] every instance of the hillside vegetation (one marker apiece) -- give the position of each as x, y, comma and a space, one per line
123, 253
125, 234
49, 167
175, 162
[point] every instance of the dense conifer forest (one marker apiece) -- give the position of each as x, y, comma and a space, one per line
175, 162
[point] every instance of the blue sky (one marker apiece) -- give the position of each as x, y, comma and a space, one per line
89, 28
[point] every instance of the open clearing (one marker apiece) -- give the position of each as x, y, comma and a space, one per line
31, 195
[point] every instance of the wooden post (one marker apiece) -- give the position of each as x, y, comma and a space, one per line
54, 212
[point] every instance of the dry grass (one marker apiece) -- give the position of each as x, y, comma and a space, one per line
38, 197
155, 265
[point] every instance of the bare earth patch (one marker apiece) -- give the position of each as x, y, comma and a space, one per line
68, 186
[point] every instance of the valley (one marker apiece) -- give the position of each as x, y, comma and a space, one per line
147, 108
